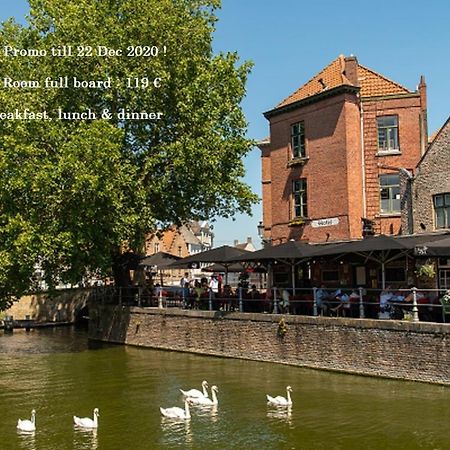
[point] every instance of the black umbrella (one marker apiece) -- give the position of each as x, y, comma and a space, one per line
224, 255
287, 251
439, 248
235, 267
291, 253
378, 248
160, 259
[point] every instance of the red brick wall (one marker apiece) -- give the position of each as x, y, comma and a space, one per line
332, 170
408, 110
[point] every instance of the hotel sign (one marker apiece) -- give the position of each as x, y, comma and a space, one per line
329, 222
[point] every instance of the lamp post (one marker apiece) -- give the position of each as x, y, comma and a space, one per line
265, 242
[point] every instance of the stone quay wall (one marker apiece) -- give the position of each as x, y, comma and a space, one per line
63, 307
386, 348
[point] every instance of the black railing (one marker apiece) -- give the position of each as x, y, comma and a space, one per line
431, 305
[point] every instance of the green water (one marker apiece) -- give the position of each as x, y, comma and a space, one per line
54, 372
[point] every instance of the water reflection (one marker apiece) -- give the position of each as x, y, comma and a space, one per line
129, 382
177, 429
85, 439
280, 413
210, 412
27, 440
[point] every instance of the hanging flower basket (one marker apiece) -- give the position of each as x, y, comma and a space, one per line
426, 271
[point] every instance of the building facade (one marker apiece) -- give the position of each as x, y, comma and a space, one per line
330, 168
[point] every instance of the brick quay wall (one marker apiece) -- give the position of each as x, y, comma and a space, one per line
403, 350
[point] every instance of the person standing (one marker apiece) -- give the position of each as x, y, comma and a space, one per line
214, 284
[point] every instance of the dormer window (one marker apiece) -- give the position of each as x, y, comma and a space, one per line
298, 140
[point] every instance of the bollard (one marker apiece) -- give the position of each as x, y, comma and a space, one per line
415, 310
160, 299
241, 307
361, 304
27, 323
210, 299
183, 296
315, 302
275, 301
8, 324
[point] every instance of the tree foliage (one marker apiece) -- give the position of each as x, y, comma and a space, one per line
73, 192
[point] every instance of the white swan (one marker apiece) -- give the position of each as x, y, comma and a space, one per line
87, 422
279, 400
176, 412
205, 400
195, 393
27, 425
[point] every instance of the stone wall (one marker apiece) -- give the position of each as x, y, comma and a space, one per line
42, 308
405, 350
433, 177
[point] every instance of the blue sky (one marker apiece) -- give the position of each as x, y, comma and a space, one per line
289, 41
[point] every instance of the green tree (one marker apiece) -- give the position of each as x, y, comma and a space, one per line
72, 192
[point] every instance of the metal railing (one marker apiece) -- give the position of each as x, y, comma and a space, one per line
401, 304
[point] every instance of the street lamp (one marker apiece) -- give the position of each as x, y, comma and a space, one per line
260, 228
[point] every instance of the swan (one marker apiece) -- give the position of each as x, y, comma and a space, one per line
281, 401
87, 422
176, 412
195, 393
27, 425
205, 400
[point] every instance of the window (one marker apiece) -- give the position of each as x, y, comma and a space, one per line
394, 274
156, 247
444, 278
179, 250
299, 192
298, 140
387, 133
442, 210
330, 276
389, 193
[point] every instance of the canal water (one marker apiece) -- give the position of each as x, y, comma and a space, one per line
58, 374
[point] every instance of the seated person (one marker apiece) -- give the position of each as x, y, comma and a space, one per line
344, 302
284, 304
226, 298
253, 293
322, 297
385, 297
410, 296
253, 297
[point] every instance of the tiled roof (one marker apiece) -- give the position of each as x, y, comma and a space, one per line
372, 84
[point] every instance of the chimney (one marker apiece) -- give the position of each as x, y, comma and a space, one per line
249, 240
351, 69
423, 115
236, 242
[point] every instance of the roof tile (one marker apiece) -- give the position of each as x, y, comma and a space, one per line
372, 84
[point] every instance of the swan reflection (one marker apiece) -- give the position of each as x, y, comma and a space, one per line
27, 440
85, 439
281, 414
177, 428
208, 412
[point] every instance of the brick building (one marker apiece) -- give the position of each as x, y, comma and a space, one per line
334, 153
426, 196
186, 240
